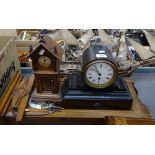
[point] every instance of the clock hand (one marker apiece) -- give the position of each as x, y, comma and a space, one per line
97, 71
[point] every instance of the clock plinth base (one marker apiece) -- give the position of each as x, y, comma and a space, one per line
45, 97
115, 97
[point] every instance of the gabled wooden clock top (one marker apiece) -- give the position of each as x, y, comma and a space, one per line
46, 57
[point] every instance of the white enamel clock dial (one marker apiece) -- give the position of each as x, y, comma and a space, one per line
44, 61
100, 74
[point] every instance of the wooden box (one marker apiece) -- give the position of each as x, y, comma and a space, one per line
9, 63
23, 46
22, 42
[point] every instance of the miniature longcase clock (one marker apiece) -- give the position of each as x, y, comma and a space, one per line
46, 57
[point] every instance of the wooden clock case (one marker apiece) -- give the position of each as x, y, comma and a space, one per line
47, 87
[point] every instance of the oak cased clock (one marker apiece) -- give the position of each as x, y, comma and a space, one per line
46, 64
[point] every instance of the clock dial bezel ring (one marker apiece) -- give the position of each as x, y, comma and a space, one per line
43, 65
100, 86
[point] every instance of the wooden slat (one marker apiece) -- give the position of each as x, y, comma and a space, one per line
76, 113
16, 98
96, 114
4, 101
129, 121
24, 101
8, 101
20, 30
136, 106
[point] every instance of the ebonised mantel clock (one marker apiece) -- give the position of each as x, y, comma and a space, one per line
98, 85
98, 67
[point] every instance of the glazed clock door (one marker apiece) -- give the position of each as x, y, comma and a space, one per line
47, 85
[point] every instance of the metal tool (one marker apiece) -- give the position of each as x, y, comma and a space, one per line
50, 106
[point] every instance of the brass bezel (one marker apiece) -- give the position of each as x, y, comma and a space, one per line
99, 86
44, 67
